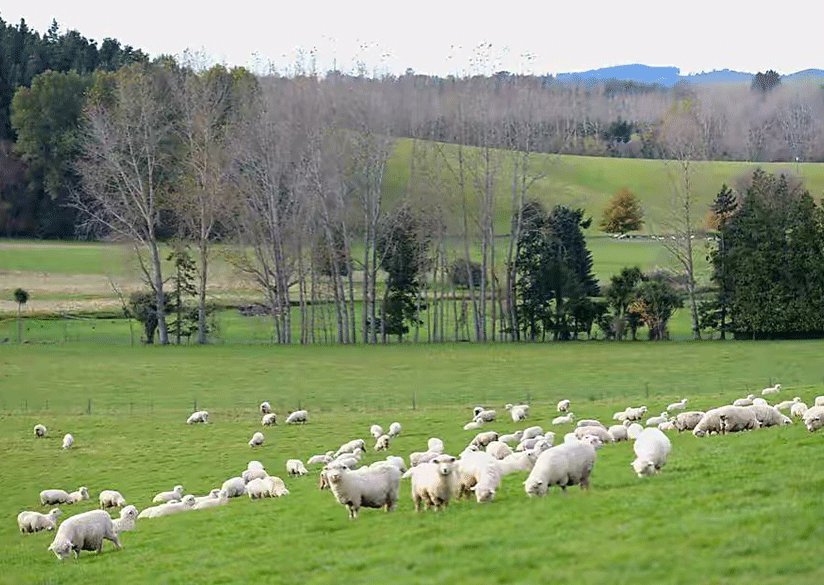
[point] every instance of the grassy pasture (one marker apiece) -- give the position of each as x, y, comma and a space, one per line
736, 509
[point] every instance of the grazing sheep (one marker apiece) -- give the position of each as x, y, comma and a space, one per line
376, 431
819, 401
201, 416
589, 422
35, 521
516, 462
531, 432
563, 420
563, 405
814, 418
175, 494
620, 416
295, 467
397, 462
618, 433
84, 531
654, 421
315, 459
512, 437
126, 521
39, 431
269, 419
744, 401
635, 414
68, 441
484, 439
594, 431
633, 430
111, 499
434, 445
374, 488
768, 416
346, 461
498, 449
394, 429
487, 484
680, 405
787, 404
350, 447
297, 417
220, 499
530, 444
82, 493
267, 487
565, 465
798, 409
51, 497
472, 426
434, 483
265, 407
518, 412
485, 416
382, 443
651, 450
256, 440
737, 418
771, 390
686, 421
168, 509
254, 464
255, 473
234, 487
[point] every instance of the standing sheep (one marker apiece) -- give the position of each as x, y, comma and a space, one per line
269, 419
295, 467
518, 412
85, 531
563, 405
375, 488
686, 421
376, 431
433, 483
488, 480
498, 449
394, 429
126, 521
382, 443
68, 441
265, 407
35, 521
737, 418
565, 465
618, 433
39, 431
111, 499
256, 440
651, 450
798, 409
297, 417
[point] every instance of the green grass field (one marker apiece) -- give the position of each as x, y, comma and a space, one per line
736, 509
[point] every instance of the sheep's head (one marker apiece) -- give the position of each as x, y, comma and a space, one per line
55, 513
178, 489
483, 495
643, 467
535, 487
84, 492
61, 550
333, 474
189, 500
128, 512
445, 464
593, 440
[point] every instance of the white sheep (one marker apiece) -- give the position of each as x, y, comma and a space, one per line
382, 443
594, 431
771, 390
51, 497
768, 416
759, 402
434, 445
210, 496
468, 468
434, 483
85, 531
267, 487
254, 464
667, 425
394, 429
35, 521
529, 444
635, 414
563, 405
265, 407
417, 457
68, 441
680, 405
175, 494
201, 416
686, 421
234, 487
814, 418
169, 508
633, 430
315, 459
787, 404
737, 418
651, 449
350, 447
397, 462
744, 401
256, 440
516, 462
376, 431
654, 421
472, 426
255, 473
295, 467
485, 416
111, 499
220, 499
565, 465
39, 431
82, 493
373, 488
819, 401
269, 419
487, 484
518, 412
618, 433
126, 521
563, 420
590, 422
498, 449
484, 439
297, 417
531, 432
798, 409
512, 437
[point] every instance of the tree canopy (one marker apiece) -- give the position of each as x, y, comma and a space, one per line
623, 213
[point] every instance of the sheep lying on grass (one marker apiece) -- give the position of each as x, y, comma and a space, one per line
175, 494
201, 416
297, 417
35, 521
169, 508
269, 419
221, 499
51, 497
85, 531
265, 407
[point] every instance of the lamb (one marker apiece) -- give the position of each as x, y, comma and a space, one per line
350, 447
768, 416
531, 432
35, 521
269, 419
265, 407
394, 429
175, 494
589, 422
295, 467
297, 417
201, 416
512, 437
516, 462
518, 412
635, 414
221, 499
315, 459
39, 431
256, 440
234, 487
255, 473
68, 441
417, 457
111, 499
82, 493
484, 439
594, 431
618, 433
375, 488
498, 449
798, 409
126, 521
651, 450
680, 405
376, 431
485, 416
85, 531
654, 421
487, 483
744, 401
771, 390
563, 405
434, 445
267, 487
210, 496
633, 430
51, 497
819, 401
667, 425
472, 426
787, 404
169, 508
565, 465
563, 420
382, 443
434, 483
686, 421
814, 418
759, 402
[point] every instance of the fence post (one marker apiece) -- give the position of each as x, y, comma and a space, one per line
414, 401
647, 389
89, 407
194, 406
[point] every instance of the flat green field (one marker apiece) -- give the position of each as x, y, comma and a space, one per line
742, 508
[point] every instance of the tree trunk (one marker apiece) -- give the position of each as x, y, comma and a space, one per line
157, 275
201, 293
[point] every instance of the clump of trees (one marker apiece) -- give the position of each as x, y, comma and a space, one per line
622, 214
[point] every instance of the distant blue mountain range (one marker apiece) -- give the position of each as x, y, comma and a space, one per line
669, 76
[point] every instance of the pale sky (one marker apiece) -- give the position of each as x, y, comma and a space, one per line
443, 36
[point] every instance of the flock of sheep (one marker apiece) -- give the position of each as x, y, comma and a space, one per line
436, 477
